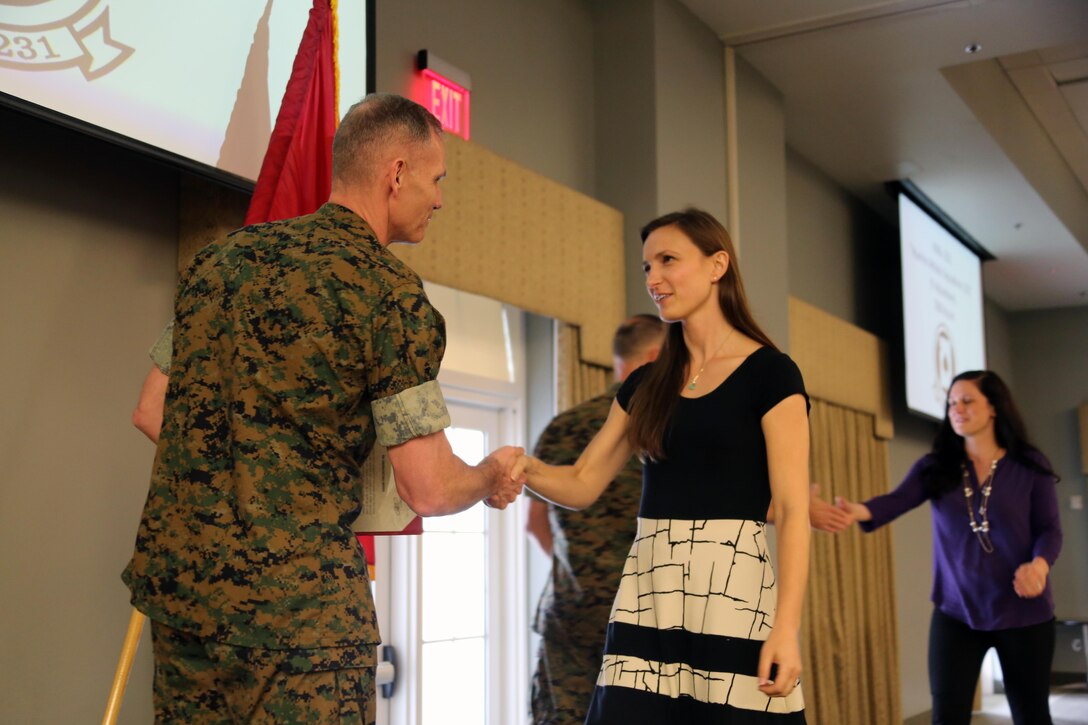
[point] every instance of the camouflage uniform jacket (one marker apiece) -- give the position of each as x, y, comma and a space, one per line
296, 344
590, 546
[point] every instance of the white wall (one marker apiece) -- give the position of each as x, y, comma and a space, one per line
86, 281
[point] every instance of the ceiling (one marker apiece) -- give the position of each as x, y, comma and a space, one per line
877, 90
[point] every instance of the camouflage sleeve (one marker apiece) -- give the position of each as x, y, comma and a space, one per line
416, 412
163, 349
408, 340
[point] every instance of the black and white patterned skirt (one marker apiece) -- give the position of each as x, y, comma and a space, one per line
695, 604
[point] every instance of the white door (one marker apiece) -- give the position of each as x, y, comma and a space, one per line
452, 601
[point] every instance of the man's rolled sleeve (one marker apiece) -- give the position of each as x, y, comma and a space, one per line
409, 339
416, 412
163, 349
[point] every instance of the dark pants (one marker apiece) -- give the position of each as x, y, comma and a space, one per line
199, 681
955, 658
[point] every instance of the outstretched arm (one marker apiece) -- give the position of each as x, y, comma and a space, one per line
578, 486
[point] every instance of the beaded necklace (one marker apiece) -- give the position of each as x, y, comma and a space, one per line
981, 530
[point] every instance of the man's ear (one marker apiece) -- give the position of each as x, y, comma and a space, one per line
397, 169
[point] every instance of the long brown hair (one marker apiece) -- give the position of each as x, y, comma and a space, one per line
654, 400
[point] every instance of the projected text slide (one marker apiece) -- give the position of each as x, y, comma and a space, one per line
943, 325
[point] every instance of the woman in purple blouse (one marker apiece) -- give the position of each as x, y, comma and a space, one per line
995, 536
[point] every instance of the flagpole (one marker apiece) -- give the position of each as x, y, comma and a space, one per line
124, 666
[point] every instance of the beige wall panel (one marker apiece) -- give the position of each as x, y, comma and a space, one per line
510, 234
841, 363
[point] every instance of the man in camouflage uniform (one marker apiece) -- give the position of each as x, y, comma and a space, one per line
298, 344
588, 547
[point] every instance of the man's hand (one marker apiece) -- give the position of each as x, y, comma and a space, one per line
1030, 579
825, 517
506, 481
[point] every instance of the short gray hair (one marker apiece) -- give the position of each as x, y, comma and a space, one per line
373, 123
637, 334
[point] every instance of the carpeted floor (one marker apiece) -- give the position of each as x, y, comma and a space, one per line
1068, 706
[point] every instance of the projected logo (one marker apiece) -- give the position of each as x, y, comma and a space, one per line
56, 34
946, 364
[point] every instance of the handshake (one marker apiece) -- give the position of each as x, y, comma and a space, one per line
506, 468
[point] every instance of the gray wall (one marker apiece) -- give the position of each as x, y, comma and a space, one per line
761, 231
660, 119
999, 344
531, 65
820, 222
88, 247
1050, 361
689, 113
625, 66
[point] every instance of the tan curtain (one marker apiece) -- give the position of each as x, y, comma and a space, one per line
851, 648
575, 380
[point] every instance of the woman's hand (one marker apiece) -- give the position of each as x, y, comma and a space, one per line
783, 650
859, 511
1030, 579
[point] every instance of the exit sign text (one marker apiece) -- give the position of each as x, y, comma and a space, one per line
448, 101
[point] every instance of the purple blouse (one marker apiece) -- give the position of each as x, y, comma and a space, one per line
969, 584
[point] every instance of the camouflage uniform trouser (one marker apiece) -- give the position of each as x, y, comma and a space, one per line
202, 681
566, 673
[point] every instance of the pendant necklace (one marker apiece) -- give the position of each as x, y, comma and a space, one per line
980, 529
691, 385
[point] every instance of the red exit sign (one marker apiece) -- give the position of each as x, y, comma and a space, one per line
448, 101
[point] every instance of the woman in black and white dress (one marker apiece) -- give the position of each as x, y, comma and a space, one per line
702, 629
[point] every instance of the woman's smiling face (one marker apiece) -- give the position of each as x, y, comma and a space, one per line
679, 277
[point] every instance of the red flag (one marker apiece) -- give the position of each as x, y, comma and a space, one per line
296, 175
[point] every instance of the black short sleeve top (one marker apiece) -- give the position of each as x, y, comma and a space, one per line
715, 463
